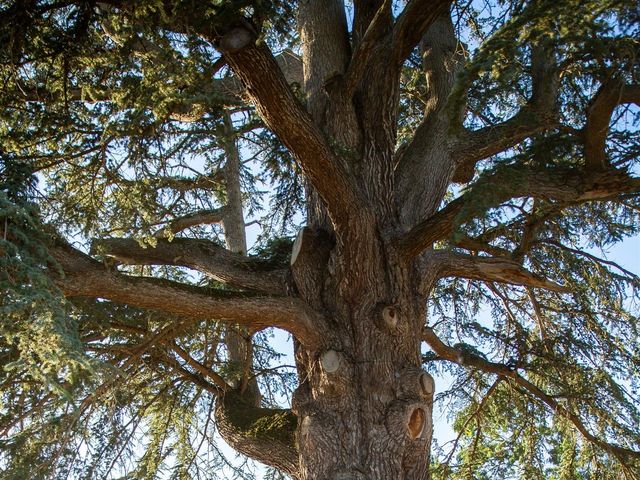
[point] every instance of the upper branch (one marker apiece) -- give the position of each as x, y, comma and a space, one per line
611, 94
366, 47
538, 115
203, 255
412, 23
465, 358
212, 94
558, 183
475, 145
85, 277
254, 64
491, 269
201, 217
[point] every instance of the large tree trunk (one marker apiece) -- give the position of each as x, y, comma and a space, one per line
364, 404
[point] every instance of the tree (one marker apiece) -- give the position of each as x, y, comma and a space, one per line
460, 166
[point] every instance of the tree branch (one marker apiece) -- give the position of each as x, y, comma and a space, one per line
366, 47
203, 255
556, 183
254, 64
612, 93
491, 269
85, 277
469, 359
411, 25
200, 368
263, 434
538, 115
472, 146
423, 157
215, 93
201, 217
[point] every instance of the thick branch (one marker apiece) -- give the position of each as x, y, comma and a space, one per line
85, 277
203, 255
263, 434
631, 94
473, 146
491, 269
426, 156
366, 48
559, 184
254, 64
612, 93
411, 25
469, 359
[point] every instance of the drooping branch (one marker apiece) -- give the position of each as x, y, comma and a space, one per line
557, 183
490, 269
469, 359
411, 25
203, 255
254, 64
612, 93
263, 434
85, 277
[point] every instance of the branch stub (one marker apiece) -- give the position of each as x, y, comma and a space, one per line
416, 423
390, 316
236, 39
330, 361
427, 384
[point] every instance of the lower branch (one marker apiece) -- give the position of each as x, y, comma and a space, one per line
263, 434
468, 359
85, 277
491, 269
202, 255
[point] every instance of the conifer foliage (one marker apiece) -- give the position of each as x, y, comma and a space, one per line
453, 174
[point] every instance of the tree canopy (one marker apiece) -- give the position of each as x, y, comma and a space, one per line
490, 147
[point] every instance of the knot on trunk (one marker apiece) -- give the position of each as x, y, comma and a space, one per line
411, 420
335, 375
388, 318
415, 383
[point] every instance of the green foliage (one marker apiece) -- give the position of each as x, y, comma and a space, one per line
39, 337
122, 122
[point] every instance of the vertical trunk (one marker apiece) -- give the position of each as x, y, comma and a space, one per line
364, 404
238, 340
